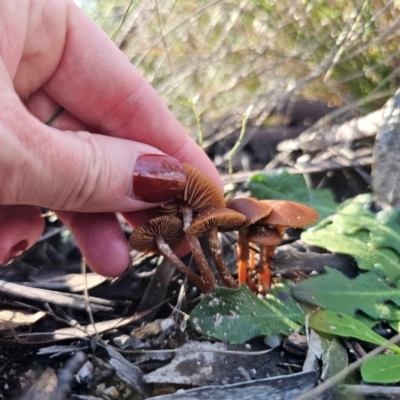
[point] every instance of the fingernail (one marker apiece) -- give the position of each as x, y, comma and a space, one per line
158, 178
16, 251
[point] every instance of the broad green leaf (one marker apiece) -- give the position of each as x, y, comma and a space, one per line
282, 185
341, 324
366, 319
334, 359
327, 350
381, 259
388, 233
367, 292
239, 315
381, 369
354, 215
395, 325
372, 239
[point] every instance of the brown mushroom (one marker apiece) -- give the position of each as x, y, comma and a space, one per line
160, 236
200, 193
284, 214
267, 239
171, 208
253, 211
288, 214
211, 221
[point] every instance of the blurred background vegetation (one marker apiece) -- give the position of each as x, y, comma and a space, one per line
224, 55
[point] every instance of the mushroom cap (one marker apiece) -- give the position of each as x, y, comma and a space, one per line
289, 214
171, 208
200, 191
143, 237
251, 208
224, 218
263, 235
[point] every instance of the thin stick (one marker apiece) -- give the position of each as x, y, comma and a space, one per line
131, 6
86, 294
235, 148
198, 120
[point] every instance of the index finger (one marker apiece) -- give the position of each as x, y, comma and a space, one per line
97, 83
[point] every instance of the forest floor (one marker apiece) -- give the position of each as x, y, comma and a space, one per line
137, 342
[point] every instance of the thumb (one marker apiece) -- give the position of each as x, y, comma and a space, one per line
81, 171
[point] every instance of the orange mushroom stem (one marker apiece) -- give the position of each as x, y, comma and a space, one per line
253, 211
242, 256
267, 239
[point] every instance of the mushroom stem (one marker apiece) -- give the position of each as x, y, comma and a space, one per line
187, 216
201, 262
243, 256
166, 251
197, 251
216, 253
263, 271
252, 259
264, 268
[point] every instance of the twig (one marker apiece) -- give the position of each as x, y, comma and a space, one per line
245, 117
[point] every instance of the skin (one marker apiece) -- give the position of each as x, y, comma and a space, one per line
52, 55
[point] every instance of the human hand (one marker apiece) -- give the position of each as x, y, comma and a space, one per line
85, 165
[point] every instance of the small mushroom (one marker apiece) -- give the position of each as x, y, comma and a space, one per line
200, 193
171, 208
267, 239
288, 214
253, 211
211, 221
162, 235
284, 214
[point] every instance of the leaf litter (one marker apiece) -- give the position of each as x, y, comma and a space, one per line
234, 317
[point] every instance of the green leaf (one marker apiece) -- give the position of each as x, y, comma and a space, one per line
354, 215
384, 260
282, 185
395, 325
373, 240
367, 292
381, 369
239, 315
341, 324
388, 233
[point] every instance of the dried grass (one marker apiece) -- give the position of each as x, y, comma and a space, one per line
230, 54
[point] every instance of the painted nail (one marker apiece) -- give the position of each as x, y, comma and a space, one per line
158, 178
16, 251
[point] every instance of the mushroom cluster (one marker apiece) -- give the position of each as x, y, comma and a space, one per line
201, 210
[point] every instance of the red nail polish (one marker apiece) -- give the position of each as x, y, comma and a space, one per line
158, 178
16, 251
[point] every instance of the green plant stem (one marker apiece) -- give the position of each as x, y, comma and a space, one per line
235, 148
131, 6
198, 122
